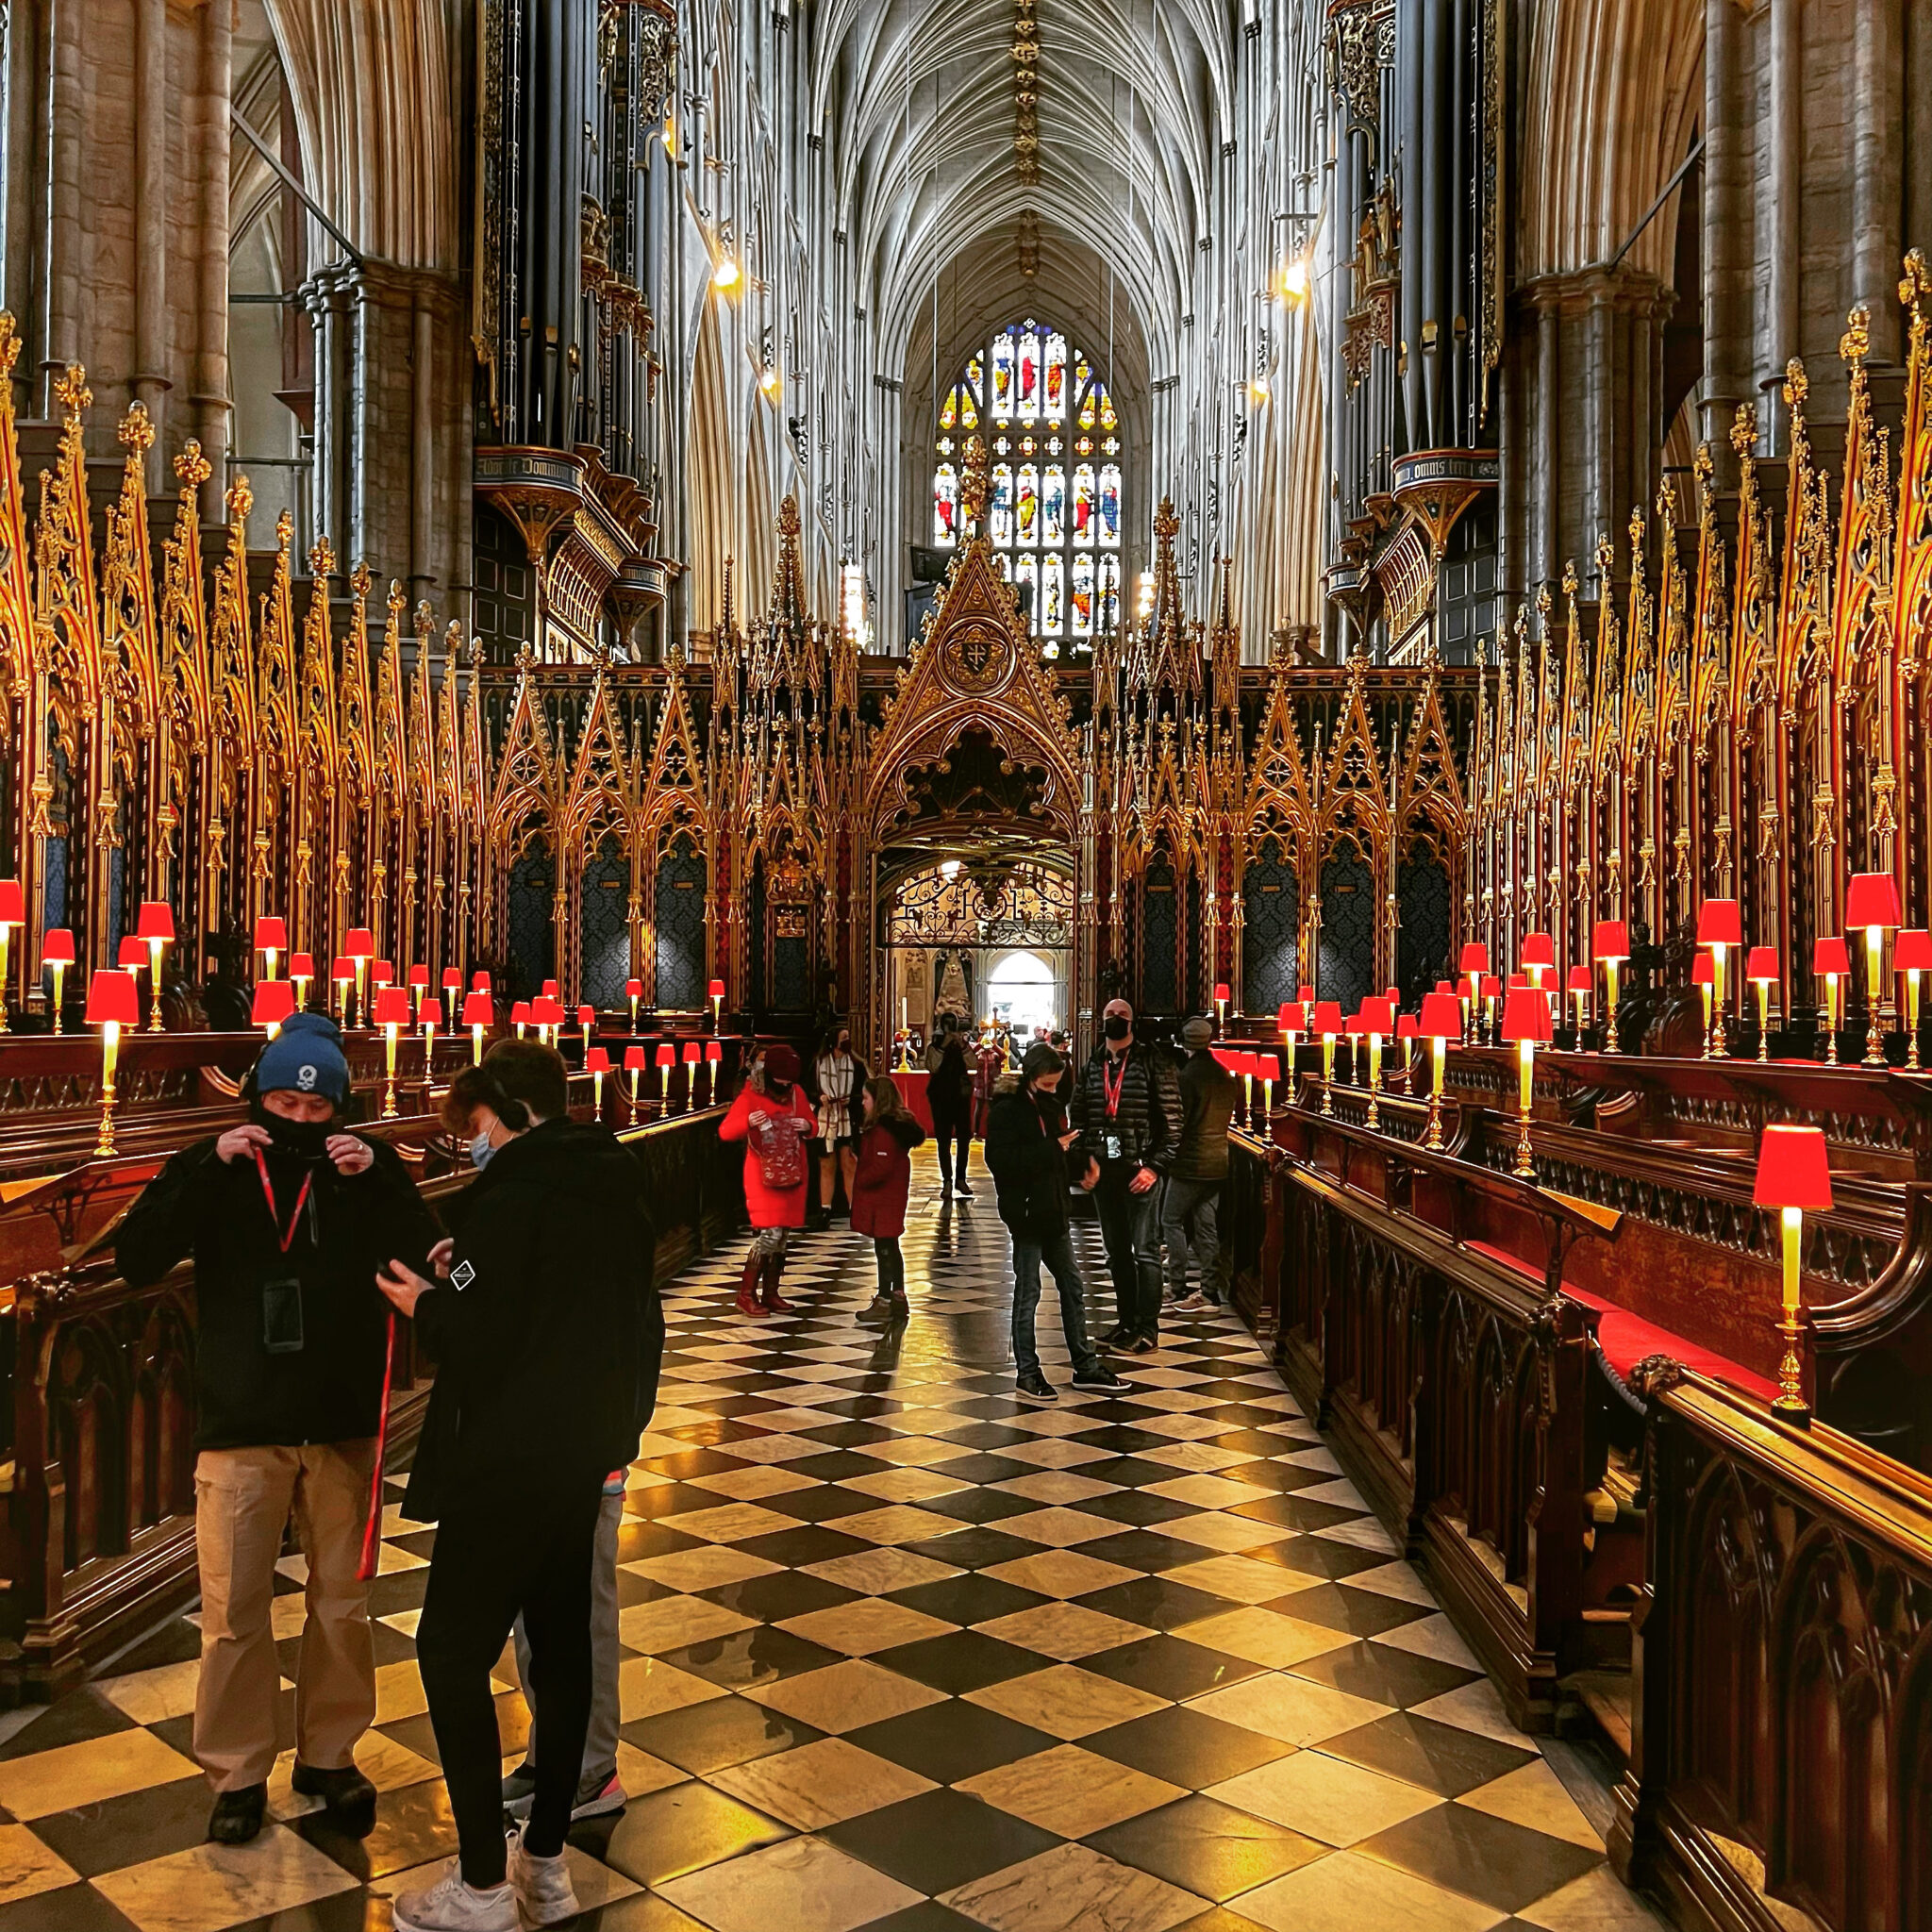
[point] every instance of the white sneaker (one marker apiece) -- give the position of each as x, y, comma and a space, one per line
542, 1885
450, 1905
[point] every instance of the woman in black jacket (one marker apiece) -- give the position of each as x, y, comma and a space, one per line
1026, 1135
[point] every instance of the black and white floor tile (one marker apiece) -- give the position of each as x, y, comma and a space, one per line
902, 1653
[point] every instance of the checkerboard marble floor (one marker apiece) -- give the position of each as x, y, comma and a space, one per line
903, 1654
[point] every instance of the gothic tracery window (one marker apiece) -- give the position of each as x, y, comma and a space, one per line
1053, 515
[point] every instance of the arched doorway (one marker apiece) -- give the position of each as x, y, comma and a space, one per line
1026, 993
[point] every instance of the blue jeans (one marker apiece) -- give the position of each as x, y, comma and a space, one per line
1058, 1254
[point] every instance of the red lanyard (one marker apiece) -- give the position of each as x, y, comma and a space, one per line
1111, 1084
267, 1189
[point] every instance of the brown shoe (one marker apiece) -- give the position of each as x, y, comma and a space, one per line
775, 1302
747, 1287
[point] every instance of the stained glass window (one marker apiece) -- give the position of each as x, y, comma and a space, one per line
1054, 508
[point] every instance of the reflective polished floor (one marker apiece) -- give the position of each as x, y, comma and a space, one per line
903, 1654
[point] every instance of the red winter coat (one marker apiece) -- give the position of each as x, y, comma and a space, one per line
770, 1206
884, 1178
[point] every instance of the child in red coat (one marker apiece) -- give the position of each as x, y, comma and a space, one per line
878, 1194
773, 1118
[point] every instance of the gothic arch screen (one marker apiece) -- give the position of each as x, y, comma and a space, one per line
1053, 515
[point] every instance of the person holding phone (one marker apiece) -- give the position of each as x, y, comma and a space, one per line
288, 1216
1026, 1142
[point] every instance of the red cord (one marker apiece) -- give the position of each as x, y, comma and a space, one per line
372, 1530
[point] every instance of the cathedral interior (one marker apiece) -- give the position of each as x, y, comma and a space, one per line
1400, 527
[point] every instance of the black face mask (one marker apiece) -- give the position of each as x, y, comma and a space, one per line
300, 1140
1118, 1027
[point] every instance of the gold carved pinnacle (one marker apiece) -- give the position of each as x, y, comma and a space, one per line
241, 499
321, 558
1166, 524
72, 392
1605, 555
1637, 525
1856, 343
362, 578
1797, 384
1667, 502
192, 469
1744, 431
137, 431
284, 529
1917, 283
1569, 580
1702, 467
978, 481
9, 343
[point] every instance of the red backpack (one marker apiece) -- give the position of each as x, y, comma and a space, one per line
780, 1149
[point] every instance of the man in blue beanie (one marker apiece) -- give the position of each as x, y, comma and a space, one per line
288, 1218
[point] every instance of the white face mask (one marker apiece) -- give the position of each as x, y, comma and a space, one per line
481, 1149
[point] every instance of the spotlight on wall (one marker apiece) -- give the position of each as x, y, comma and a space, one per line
1295, 279
725, 275
1258, 389
771, 382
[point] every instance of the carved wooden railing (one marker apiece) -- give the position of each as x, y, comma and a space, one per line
99, 1490
1783, 1716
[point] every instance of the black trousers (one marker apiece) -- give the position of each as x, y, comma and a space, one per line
528, 1553
890, 1265
1130, 1227
954, 1133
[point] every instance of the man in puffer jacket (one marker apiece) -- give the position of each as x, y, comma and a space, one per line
1128, 1110
1026, 1137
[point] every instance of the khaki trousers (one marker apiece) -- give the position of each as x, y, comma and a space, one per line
242, 1501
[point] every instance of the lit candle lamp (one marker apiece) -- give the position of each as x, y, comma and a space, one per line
361, 947
1271, 1066
1540, 957
1609, 947
1582, 982
1330, 1026
273, 1001
1760, 969
1378, 1023
546, 1014
1474, 960
596, 1064
1359, 1040
714, 1056
342, 972
1222, 996
1527, 1026
1911, 955
479, 1016
715, 994
1872, 902
429, 1017
1720, 927
57, 955
382, 974
392, 1016
634, 1066
1831, 961
667, 1058
1492, 992
270, 941
548, 990
1439, 1024
633, 992
1793, 1175
132, 960
1293, 1019
1468, 991
520, 1016
587, 1020
1406, 1034
112, 1003
13, 913
301, 970
419, 989
453, 990
1703, 977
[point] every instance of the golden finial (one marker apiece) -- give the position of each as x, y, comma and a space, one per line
1744, 431
1856, 343
788, 516
72, 392
240, 499
322, 560
974, 489
1797, 384
1667, 502
1605, 555
1917, 282
426, 619
398, 603
9, 342
1569, 585
137, 431
1702, 467
285, 530
192, 469
1636, 526
361, 578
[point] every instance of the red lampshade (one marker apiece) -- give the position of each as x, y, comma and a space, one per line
1539, 949
667, 1053
547, 1011
12, 905
1221, 992
596, 1061
110, 995
1393, 995
1223, 1057
1474, 957
1720, 922
1581, 979
1469, 986
479, 982
275, 1001
419, 975
1378, 1017
383, 973
1442, 1017
341, 968
1518, 981
586, 1016
1525, 1015
1328, 1021
1871, 899
1268, 1066
301, 965
691, 1052
1761, 962
1702, 973
1911, 952
1293, 1017
1492, 987
1306, 996
271, 934
452, 982
132, 954
520, 1013
1353, 1026
1793, 1169
361, 944
713, 1052
1405, 1027
1831, 955
633, 989
57, 947
156, 920
715, 990
634, 1061
549, 990
430, 1013
1610, 941
393, 1006
1443, 986
477, 1010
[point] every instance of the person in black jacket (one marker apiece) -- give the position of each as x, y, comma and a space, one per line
1190, 1201
547, 1336
1127, 1108
949, 1099
1026, 1137
288, 1218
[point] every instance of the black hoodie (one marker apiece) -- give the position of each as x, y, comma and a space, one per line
548, 1334
330, 1388
1023, 1150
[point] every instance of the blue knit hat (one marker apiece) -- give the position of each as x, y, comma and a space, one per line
307, 1056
